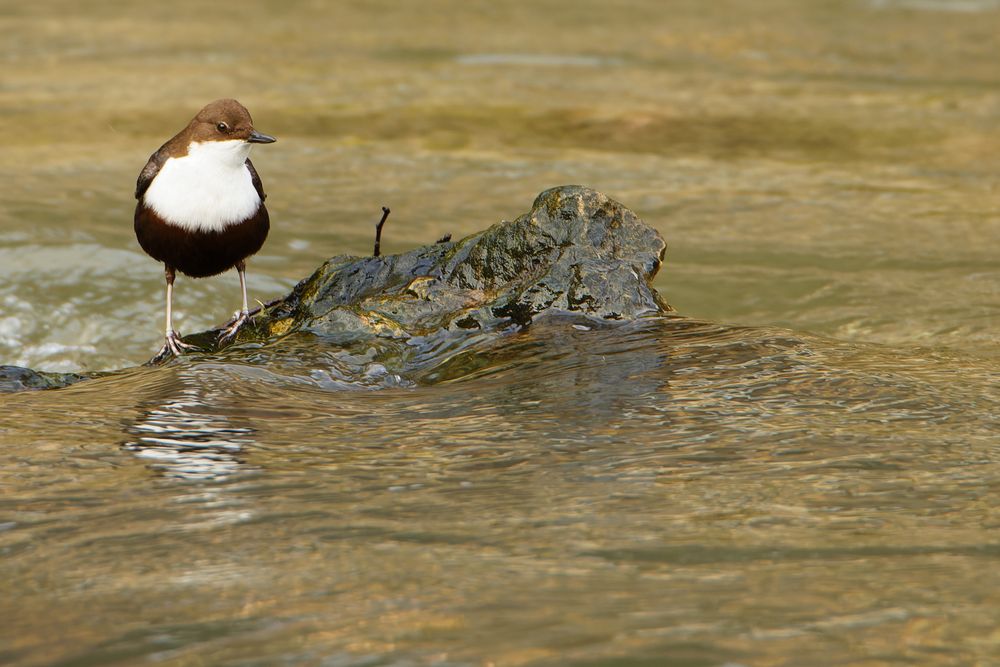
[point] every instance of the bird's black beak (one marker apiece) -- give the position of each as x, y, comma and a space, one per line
258, 138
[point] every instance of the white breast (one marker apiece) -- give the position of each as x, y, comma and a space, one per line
207, 189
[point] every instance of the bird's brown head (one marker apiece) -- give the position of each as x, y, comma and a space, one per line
225, 120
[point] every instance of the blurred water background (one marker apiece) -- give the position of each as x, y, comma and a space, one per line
802, 471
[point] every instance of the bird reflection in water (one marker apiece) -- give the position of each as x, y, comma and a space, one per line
185, 435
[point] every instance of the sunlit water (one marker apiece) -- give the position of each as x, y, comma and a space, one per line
801, 470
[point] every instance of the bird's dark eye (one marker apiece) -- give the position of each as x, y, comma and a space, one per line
222, 127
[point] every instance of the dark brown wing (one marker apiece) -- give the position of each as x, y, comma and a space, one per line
256, 180
149, 172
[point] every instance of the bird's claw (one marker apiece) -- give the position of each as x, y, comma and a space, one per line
173, 346
240, 318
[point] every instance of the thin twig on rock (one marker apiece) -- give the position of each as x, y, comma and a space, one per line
378, 231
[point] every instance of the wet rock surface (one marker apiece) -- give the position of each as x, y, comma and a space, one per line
576, 252
17, 378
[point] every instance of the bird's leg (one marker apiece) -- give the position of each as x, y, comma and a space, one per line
173, 343
243, 314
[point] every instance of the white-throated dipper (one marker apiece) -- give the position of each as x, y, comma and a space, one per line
201, 204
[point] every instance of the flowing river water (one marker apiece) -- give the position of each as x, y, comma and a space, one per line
798, 470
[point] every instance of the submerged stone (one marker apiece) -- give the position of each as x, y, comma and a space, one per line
18, 378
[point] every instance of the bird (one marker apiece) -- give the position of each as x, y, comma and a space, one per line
200, 207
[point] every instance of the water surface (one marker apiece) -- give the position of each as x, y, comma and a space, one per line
801, 470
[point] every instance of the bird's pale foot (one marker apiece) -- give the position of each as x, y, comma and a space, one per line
173, 346
240, 318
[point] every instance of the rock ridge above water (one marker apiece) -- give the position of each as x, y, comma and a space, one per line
576, 251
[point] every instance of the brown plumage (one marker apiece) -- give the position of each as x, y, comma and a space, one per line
196, 253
